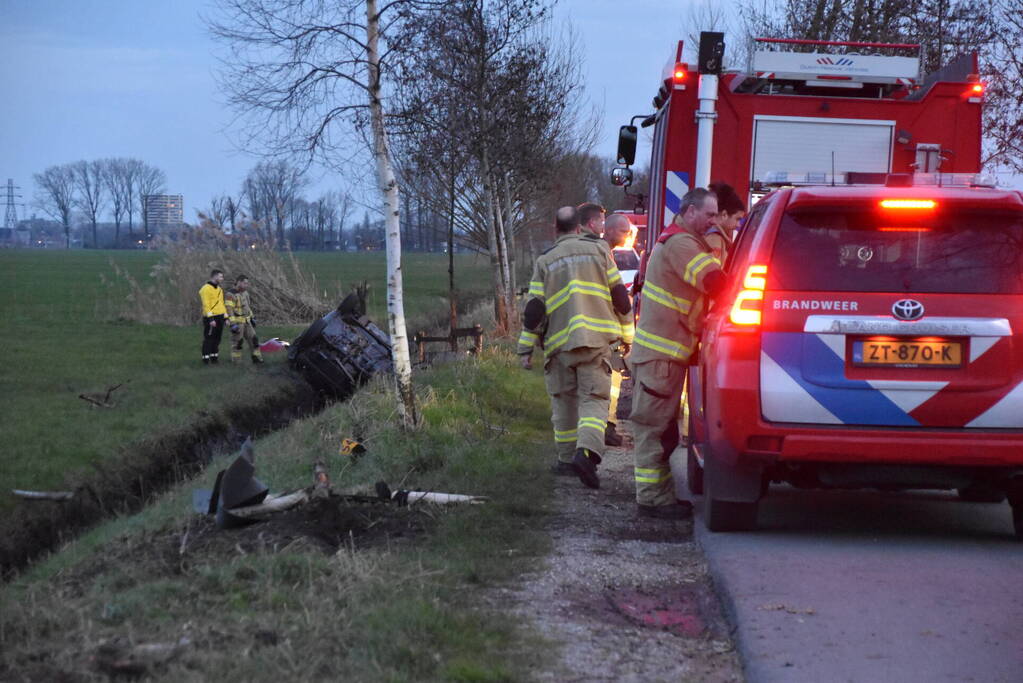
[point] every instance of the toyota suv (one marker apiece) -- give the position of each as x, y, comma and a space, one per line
872, 337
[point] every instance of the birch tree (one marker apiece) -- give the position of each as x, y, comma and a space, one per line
305, 75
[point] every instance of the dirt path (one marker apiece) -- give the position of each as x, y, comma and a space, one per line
627, 599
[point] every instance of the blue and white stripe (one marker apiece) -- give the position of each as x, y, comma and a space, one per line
676, 184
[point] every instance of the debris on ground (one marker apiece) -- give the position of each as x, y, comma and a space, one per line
408, 497
119, 658
273, 345
44, 495
351, 447
342, 350
98, 402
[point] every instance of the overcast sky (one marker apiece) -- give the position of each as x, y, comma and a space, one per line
85, 79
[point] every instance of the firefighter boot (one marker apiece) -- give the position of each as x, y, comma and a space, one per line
611, 436
681, 509
257, 357
586, 462
236, 355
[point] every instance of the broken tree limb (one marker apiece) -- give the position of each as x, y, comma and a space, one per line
271, 505
94, 402
110, 390
44, 495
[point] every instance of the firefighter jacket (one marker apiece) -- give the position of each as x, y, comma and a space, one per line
671, 317
212, 298
718, 242
239, 310
576, 299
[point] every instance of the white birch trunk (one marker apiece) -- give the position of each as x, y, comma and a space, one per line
509, 235
502, 314
392, 227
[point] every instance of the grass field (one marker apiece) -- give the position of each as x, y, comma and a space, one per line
62, 340
255, 605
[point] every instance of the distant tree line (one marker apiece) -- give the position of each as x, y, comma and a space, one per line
93, 188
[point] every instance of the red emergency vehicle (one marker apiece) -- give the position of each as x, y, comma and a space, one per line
872, 335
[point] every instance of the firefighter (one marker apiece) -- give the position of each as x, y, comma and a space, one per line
211, 298
681, 275
243, 325
577, 307
591, 218
731, 210
617, 229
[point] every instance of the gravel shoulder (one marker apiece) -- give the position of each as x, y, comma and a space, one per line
625, 598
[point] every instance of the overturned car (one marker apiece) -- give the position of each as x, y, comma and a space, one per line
342, 350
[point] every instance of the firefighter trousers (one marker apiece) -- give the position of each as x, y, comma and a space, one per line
616, 390
656, 399
211, 337
579, 384
246, 334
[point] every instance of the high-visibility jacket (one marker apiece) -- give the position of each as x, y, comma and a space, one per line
239, 308
671, 317
718, 242
573, 282
211, 297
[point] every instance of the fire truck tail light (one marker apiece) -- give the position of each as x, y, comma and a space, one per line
977, 89
908, 204
679, 74
748, 303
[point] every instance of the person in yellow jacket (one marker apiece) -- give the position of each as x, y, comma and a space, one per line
239, 318
211, 300
681, 276
577, 307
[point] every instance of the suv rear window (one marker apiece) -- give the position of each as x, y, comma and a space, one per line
847, 250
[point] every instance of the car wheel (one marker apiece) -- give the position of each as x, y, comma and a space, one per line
694, 473
722, 515
978, 493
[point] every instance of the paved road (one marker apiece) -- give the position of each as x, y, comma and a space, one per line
868, 586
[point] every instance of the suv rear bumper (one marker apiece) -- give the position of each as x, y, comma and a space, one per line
848, 446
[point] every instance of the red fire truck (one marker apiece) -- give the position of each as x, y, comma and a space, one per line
871, 335
805, 118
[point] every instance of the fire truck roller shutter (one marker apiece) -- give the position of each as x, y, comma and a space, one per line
800, 145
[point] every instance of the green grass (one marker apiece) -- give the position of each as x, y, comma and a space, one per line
62, 340
394, 612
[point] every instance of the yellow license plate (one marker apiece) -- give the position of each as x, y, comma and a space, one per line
909, 353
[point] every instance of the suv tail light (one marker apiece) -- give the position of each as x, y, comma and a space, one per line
746, 310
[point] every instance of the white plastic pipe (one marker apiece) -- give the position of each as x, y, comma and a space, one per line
708, 95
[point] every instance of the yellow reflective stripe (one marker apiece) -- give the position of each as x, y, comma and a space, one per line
592, 423
528, 338
613, 276
653, 475
565, 436
666, 298
628, 332
582, 321
577, 287
697, 265
536, 288
662, 345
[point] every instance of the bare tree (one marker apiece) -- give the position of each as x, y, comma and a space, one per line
90, 192
1002, 68
118, 183
56, 195
149, 180
303, 71
273, 186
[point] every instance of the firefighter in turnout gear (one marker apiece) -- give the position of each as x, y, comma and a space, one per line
239, 317
211, 299
617, 229
681, 276
576, 309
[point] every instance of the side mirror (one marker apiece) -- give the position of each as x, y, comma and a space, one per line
621, 177
627, 136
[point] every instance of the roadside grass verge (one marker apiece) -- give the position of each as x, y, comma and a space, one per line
394, 599
60, 340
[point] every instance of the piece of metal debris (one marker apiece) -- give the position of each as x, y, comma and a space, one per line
236, 487
351, 447
44, 495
